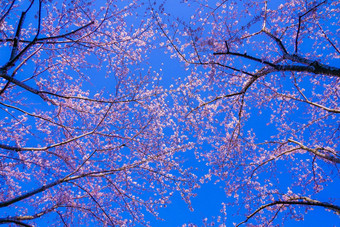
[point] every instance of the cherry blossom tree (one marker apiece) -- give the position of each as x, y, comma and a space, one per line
263, 92
72, 153
90, 135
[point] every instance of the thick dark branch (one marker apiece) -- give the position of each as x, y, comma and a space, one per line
16, 42
15, 45
18, 32
316, 68
298, 201
36, 40
31, 193
26, 87
9, 220
247, 57
28, 46
309, 66
6, 147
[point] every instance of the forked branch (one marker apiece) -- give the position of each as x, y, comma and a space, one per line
307, 65
299, 25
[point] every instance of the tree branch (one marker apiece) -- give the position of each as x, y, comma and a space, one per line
18, 32
312, 66
31, 193
316, 152
304, 201
46, 147
94, 199
8, 220
34, 216
26, 87
299, 25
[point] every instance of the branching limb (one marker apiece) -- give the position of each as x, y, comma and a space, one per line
18, 32
34, 216
16, 56
304, 100
309, 66
73, 177
57, 144
317, 152
15, 46
313, 103
62, 218
69, 178
304, 201
46, 147
26, 87
66, 34
31, 193
271, 159
34, 115
242, 92
299, 25
95, 200
123, 195
245, 55
8, 220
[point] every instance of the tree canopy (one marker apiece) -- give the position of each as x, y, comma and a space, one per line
110, 108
